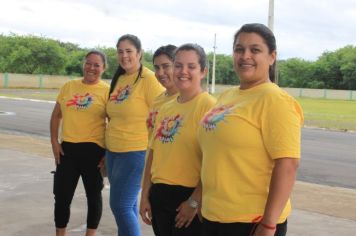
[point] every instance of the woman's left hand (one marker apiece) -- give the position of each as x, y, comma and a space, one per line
185, 215
101, 163
102, 167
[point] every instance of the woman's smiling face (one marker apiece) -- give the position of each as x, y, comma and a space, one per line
252, 60
128, 56
187, 70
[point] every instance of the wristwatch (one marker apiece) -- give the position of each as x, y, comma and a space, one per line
193, 203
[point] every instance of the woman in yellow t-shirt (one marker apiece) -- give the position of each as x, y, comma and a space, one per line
251, 145
163, 65
132, 91
80, 107
171, 190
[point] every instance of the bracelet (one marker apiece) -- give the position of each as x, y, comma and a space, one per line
270, 227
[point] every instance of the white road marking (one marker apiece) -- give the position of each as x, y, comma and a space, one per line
28, 99
7, 113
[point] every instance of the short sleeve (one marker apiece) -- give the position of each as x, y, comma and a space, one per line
152, 88
281, 122
62, 92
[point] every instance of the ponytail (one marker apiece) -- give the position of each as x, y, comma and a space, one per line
135, 41
139, 75
120, 71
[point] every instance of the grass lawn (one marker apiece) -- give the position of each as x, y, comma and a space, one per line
331, 114
40, 94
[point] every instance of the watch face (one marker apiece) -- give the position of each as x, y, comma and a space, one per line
192, 203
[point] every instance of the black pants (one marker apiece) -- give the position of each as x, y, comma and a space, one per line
80, 159
211, 228
164, 200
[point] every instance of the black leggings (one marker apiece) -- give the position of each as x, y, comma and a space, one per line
79, 159
164, 200
211, 228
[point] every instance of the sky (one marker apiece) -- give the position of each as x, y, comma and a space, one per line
303, 28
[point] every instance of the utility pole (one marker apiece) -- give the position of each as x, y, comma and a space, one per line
207, 78
271, 27
271, 15
213, 72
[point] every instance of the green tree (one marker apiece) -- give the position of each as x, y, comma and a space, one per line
111, 56
295, 73
224, 71
337, 70
74, 62
327, 70
348, 67
5, 50
74, 65
32, 55
147, 59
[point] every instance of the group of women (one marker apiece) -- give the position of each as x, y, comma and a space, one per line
213, 167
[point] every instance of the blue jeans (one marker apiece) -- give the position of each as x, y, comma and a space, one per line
124, 171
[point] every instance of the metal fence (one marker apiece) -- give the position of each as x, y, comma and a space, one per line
9, 80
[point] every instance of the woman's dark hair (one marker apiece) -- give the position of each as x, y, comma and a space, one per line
167, 50
99, 53
135, 41
267, 36
198, 50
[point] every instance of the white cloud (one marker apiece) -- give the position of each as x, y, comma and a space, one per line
303, 28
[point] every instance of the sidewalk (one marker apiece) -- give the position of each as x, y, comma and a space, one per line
26, 198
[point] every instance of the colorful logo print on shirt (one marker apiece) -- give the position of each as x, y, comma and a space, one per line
168, 128
214, 116
121, 94
150, 122
80, 102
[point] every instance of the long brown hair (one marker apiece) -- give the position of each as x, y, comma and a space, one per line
135, 41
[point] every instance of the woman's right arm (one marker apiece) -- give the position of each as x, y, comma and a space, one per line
54, 130
145, 206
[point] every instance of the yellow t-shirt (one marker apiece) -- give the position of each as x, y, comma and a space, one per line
176, 153
240, 137
83, 111
157, 104
128, 108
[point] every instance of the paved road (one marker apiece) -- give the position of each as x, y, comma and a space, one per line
328, 157
30, 117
